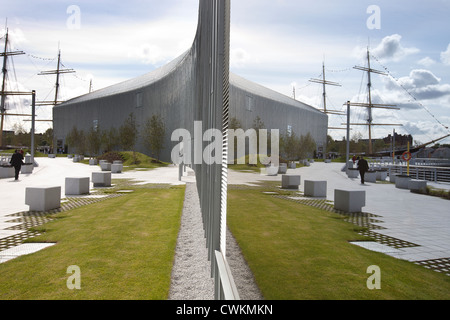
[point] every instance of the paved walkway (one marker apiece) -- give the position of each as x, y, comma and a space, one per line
420, 220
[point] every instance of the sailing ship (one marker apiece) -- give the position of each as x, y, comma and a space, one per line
369, 106
4, 93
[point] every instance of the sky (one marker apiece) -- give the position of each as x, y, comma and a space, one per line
280, 44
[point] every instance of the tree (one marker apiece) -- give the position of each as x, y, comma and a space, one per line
94, 141
77, 140
235, 124
109, 138
258, 124
154, 135
307, 146
128, 134
47, 137
289, 145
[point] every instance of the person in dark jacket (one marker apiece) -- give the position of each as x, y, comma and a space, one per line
363, 167
16, 162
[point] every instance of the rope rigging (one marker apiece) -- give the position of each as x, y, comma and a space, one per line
411, 95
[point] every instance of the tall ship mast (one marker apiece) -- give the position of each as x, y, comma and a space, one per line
326, 83
56, 72
370, 105
4, 93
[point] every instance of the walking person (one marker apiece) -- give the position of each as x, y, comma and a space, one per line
363, 167
17, 162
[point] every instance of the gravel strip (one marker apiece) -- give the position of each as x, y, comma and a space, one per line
191, 273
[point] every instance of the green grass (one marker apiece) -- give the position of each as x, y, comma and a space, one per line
298, 252
124, 247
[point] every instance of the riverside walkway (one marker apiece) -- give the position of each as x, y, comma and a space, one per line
411, 226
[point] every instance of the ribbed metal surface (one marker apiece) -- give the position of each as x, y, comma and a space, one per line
191, 92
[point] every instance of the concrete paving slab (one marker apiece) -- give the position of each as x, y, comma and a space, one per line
419, 219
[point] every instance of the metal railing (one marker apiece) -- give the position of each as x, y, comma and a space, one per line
428, 173
5, 158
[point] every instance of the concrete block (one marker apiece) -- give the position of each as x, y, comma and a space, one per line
315, 188
93, 162
43, 198
290, 182
272, 171
101, 179
116, 168
392, 177
327, 160
352, 173
282, 169
381, 175
370, 176
7, 172
417, 185
52, 156
402, 181
77, 186
27, 168
349, 201
105, 166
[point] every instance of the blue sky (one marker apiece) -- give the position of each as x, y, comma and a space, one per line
280, 44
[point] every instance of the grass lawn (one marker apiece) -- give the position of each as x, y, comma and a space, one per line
123, 246
298, 252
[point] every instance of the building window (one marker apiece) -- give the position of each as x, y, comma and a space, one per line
139, 100
289, 130
249, 103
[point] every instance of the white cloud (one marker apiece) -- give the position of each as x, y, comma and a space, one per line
239, 57
389, 49
426, 62
445, 56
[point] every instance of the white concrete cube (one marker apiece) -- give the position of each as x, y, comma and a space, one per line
290, 182
315, 188
93, 162
43, 198
402, 181
7, 172
101, 179
272, 171
417, 185
327, 160
27, 168
381, 175
105, 166
352, 173
282, 168
77, 186
370, 176
392, 177
116, 168
349, 200
51, 155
